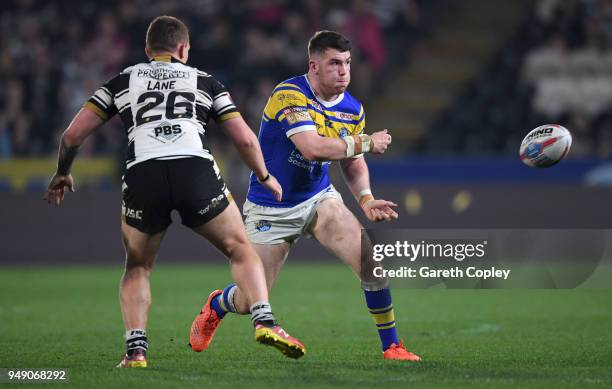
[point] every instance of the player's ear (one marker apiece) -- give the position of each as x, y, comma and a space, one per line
183, 51
148, 53
313, 65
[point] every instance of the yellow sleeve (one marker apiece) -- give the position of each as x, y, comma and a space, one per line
290, 108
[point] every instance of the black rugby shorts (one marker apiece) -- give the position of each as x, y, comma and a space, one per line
152, 189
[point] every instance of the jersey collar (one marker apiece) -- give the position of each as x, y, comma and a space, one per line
324, 103
164, 58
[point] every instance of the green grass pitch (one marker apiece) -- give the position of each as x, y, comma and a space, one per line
69, 317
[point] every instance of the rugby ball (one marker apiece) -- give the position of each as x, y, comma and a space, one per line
545, 146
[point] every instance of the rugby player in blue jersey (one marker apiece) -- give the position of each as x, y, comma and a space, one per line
309, 121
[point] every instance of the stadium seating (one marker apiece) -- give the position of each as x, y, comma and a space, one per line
556, 68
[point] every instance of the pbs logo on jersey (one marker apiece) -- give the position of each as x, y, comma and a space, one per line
545, 145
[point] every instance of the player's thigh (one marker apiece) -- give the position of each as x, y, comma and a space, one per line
338, 230
273, 257
225, 231
141, 248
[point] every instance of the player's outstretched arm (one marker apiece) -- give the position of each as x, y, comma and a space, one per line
83, 125
319, 148
357, 177
248, 146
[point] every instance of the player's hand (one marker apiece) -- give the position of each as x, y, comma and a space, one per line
273, 186
55, 191
379, 210
380, 141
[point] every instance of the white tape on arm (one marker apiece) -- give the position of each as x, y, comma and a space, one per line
366, 143
357, 144
365, 195
365, 192
350, 146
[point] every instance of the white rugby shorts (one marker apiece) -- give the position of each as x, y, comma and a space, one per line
271, 225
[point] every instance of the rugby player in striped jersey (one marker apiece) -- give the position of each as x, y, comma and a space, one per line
165, 105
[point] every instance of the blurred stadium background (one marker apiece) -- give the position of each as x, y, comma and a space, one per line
458, 83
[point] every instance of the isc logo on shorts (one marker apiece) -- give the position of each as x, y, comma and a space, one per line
263, 226
132, 213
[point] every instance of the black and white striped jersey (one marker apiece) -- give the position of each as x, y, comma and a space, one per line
164, 106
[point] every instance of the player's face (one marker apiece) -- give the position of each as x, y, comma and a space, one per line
333, 70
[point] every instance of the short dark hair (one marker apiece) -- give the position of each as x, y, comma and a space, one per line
165, 33
323, 40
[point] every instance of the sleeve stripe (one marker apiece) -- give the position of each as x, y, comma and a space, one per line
307, 127
229, 115
100, 101
225, 108
220, 95
103, 97
95, 109
279, 115
222, 104
100, 107
106, 91
223, 100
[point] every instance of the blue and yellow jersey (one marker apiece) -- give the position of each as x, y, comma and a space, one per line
292, 108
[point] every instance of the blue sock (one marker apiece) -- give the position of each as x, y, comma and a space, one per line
381, 308
224, 302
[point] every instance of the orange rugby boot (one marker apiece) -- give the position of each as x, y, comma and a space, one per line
399, 352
